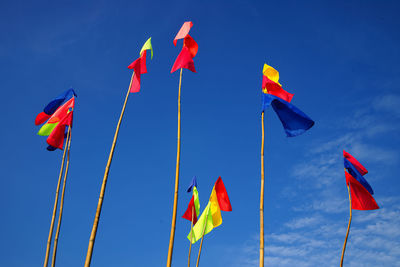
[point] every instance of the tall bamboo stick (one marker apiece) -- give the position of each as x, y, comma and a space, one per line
262, 195
202, 238
53, 260
178, 155
46, 259
348, 229
103, 186
191, 233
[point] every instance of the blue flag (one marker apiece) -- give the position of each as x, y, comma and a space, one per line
357, 175
294, 121
192, 184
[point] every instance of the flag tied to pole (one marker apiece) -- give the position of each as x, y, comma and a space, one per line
211, 216
189, 49
361, 192
139, 66
294, 121
59, 114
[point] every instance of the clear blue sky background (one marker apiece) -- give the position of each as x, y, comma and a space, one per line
339, 58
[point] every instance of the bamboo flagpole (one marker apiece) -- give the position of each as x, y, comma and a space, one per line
53, 261
178, 155
103, 186
191, 235
46, 259
202, 238
262, 195
348, 228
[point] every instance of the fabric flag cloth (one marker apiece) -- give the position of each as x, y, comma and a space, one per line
58, 115
189, 49
53, 105
271, 85
357, 175
194, 205
294, 121
361, 169
211, 216
139, 66
57, 136
361, 199
193, 183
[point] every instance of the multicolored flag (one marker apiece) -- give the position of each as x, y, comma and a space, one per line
139, 66
194, 205
294, 121
189, 49
361, 192
211, 216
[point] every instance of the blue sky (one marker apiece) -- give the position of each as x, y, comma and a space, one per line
339, 58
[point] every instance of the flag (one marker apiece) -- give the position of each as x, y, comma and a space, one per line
139, 66
193, 183
294, 121
361, 199
189, 49
211, 216
357, 175
57, 136
57, 116
53, 105
361, 169
194, 205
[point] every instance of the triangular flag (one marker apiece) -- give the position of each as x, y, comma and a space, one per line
184, 60
361, 199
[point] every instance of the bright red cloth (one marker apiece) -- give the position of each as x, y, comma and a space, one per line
183, 32
184, 60
56, 138
355, 163
361, 199
222, 195
41, 118
275, 89
139, 67
188, 213
191, 44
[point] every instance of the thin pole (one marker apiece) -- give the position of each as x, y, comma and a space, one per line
53, 260
262, 195
103, 186
178, 155
53, 218
348, 229
202, 238
191, 233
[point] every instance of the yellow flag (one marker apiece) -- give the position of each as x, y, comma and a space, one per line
147, 45
271, 73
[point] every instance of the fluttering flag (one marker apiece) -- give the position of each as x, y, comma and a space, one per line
211, 216
53, 105
294, 121
361, 199
189, 49
139, 66
194, 205
193, 183
361, 191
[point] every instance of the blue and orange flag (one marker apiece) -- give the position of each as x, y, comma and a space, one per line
189, 49
361, 192
58, 115
294, 121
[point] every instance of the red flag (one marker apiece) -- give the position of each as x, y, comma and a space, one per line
184, 60
222, 195
361, 199
275, 89
183, 32
191, 44
355, 163
139, 67
188, 213
56, 138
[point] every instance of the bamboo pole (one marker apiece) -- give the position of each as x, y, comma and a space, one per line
191, 233
53, 260
202, 238
103, 186
262, 195
178, 155
348, 229
46, 259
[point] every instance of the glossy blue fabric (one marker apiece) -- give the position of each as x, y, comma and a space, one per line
357, 175
192, 183
294, 121
56, 102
